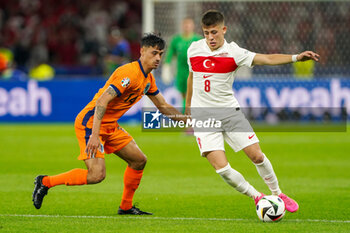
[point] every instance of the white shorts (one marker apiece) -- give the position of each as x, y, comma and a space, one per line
211, 141
236, 131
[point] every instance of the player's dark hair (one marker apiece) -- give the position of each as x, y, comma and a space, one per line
212, 17
153, 40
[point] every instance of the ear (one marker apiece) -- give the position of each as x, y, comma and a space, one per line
224, 29
142, 50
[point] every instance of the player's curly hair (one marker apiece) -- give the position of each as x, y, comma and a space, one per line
212, 17
153, 40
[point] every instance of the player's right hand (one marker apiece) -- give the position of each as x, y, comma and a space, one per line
92, 146
308, 55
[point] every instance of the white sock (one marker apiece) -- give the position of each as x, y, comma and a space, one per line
237, 181
265, 170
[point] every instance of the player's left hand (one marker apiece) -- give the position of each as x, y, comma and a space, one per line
308, 55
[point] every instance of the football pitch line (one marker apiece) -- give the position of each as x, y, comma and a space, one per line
166, 218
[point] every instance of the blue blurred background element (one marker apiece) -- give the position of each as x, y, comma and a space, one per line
61, 100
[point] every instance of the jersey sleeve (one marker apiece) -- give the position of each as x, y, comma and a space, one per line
153, 90
120, 80
243, 57
188, 58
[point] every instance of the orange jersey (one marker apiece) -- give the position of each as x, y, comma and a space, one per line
130, 83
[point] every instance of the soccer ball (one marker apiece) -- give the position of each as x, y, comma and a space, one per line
270, 209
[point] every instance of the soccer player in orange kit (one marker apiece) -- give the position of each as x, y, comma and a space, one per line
98, 131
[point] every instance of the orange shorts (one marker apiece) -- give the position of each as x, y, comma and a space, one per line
113, 139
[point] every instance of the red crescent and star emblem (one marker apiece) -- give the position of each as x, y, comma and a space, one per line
208, 64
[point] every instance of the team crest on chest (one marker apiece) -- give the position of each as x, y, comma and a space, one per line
125, 82
146, 88
208, 64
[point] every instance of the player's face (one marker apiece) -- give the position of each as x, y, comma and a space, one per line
214, 35
151, 56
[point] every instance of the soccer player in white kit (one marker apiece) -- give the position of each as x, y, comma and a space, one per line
213, 63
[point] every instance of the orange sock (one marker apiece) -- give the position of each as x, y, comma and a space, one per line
73, 177
132, 180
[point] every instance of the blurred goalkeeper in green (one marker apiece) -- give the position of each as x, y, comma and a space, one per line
178, 48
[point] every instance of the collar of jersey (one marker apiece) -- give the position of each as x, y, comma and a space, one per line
218, 49
142, 68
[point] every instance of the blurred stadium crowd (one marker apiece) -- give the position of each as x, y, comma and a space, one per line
72, 36
76, 37
288, 27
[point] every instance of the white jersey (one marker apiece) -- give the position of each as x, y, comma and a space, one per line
213, 73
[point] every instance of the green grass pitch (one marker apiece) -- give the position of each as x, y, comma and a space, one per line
179, 187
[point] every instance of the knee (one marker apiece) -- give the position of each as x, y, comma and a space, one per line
258, 158
139, 164
96, 175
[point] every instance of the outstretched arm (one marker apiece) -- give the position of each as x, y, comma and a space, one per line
280, 59
166, 108
100, 109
